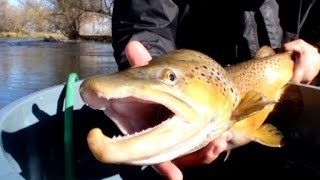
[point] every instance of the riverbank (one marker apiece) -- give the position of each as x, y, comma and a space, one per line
53, 37
45, 35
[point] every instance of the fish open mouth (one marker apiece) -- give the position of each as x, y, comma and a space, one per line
135, 115
145, 118
132, 115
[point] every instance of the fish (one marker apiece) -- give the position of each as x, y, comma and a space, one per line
269, 73
171, 107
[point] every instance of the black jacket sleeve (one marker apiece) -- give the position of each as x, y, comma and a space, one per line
151, 22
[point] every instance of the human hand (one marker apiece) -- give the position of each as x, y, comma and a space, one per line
307, 61
138, 55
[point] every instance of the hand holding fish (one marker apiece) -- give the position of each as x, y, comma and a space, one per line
189, 96
307, 64
138, 55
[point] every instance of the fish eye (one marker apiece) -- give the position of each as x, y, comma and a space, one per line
169, 77
172, 76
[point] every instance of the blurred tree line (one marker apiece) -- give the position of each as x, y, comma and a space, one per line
62, 16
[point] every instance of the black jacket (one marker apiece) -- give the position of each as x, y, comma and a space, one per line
227, 31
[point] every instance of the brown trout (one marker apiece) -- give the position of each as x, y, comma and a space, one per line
173, 106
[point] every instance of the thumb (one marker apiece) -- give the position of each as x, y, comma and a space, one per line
137, 54
297, 73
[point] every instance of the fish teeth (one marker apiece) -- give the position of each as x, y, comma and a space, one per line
127, 136
116, 137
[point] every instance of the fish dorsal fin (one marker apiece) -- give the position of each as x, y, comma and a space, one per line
251, 103
263, 52
269, 135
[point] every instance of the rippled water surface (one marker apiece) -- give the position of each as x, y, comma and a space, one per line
28, 65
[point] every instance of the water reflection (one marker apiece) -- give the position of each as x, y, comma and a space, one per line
30, 65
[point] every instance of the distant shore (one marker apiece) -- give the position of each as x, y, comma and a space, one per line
44, 35
53, 37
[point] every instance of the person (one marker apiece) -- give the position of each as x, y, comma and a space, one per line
229, 32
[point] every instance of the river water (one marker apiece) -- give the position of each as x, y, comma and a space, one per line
29, 65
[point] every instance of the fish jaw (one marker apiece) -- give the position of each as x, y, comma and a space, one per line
178, 135
153, 148
143, 146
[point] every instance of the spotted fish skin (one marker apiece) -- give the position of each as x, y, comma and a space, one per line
266, 72
201, 68
269, 74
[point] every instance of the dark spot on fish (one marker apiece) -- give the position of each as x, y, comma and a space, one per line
218, 78
231, 89
205, 67
224, 89
197, 68
190, 75
208, 81
202, 74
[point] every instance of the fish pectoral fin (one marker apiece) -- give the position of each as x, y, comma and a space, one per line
250, 104
269, 135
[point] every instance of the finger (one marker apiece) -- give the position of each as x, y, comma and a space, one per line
137, 54
295, 45
298, 72
169, 170
221, 145
307, 63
